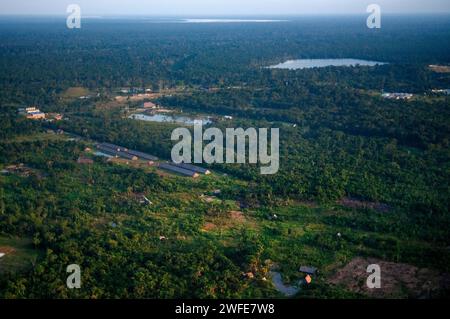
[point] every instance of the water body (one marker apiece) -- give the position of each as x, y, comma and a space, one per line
228, 21
277, 281
161, 118
322, 63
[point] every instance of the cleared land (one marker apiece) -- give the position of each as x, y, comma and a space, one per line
398, 280
19, 254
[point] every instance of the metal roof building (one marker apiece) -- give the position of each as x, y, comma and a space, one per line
308, 270
193, 168
127, 156
113, 146
178, 170
142, 155
118, 152
107, 150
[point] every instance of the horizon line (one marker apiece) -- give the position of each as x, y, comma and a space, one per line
162, 15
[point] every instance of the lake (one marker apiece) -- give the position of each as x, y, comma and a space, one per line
161, 118
322, 63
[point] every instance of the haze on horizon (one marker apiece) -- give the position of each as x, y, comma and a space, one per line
220, 7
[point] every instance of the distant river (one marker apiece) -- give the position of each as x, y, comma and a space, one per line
322, 63
229, 21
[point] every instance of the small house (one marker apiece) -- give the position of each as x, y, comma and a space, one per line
308, 270
250, 275
143, 200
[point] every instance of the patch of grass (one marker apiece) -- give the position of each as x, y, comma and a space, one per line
35, 137
74, 92
20, 254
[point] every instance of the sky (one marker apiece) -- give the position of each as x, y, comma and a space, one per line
219, 7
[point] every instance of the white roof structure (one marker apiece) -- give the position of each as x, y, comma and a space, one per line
1, 255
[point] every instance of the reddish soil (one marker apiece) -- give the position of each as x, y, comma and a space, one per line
6, 250
397, 280
237, 216
209, 226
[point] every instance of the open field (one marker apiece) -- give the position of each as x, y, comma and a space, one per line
74, 93
19, 254
397, 280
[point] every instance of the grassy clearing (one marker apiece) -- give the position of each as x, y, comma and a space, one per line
20, 254
74, 92
35, 138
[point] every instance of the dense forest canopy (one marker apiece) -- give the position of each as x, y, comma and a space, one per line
42, 56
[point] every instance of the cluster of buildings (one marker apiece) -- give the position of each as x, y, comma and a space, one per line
441, 91
408, 96
18, 169
397, 96
33, 113
132, 155
134, 90
185, 169
123, 152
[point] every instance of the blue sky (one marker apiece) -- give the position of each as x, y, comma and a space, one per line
220, 7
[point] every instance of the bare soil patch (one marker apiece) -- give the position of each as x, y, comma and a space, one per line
235, 219
209, 226
7, 250
355, 203
397, 280
237, 215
